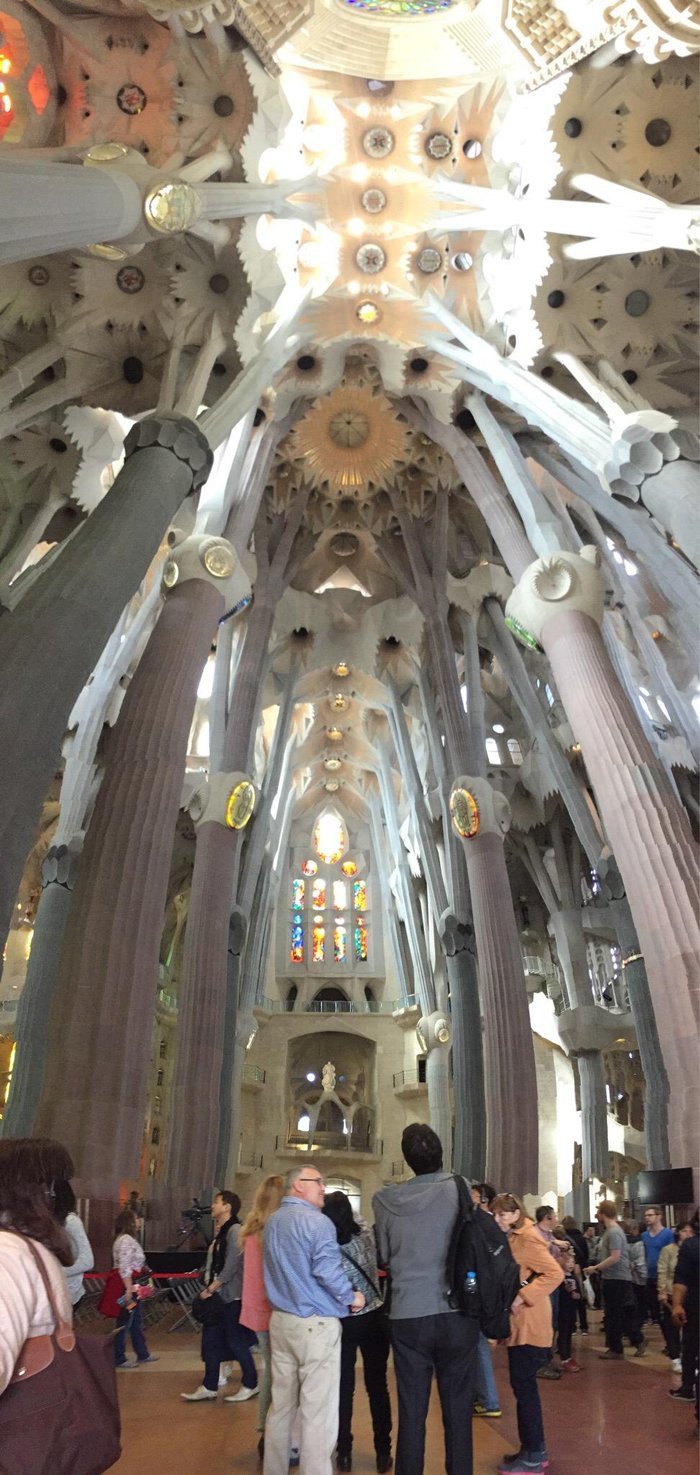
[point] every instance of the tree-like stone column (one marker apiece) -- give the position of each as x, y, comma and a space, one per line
51, 641
559, 602
96, 1077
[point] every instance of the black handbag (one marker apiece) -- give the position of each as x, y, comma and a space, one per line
208, 1310
60, 1413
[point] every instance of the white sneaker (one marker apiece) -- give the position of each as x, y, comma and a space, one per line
677, 1365
223, 1379
242, 1395
200, 1395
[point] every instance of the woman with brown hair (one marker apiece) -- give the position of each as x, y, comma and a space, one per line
255, 1307
129, 1259
29, 1168
530, 1331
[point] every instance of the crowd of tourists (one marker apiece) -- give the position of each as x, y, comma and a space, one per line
309, 1282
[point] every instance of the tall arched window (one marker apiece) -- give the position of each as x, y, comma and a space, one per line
329, 902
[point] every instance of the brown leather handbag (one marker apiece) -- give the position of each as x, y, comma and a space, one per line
60, 1413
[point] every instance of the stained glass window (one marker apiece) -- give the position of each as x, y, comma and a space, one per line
330, 839
309, 867
349, 868
340, 939
359, 889
360, 940
398, 8
340, 895
296, 951
298, 891
318, 945
319, 892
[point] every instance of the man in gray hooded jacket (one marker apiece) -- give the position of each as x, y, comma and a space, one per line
413, 1225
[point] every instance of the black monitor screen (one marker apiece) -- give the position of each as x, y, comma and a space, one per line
672, 1186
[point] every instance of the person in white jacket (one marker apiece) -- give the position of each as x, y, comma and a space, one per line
29, 1168
83, 1258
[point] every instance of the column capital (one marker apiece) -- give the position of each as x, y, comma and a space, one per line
177, 434
60, 864
561, 581
434, 1031
455, 936
477, 808
588, 1028
212, 559
226, 799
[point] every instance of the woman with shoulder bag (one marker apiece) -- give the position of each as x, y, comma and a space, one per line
129, 1259
59, 1413
367, 1330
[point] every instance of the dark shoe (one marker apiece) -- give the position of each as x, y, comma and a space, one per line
611, 1356
681, 1395
549, 1371
344, 1462
384, 1463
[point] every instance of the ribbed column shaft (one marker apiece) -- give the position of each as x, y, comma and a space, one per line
595, 1161
437, 1076
469, 1154
650, 836
511, 1082
50, 642
656, 1085
101, 1022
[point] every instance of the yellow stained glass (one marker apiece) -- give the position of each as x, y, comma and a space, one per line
349, 868
319, 892
340, 942
330, 839
318, 944
360, 895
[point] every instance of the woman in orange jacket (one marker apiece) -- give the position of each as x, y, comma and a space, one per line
530, 1331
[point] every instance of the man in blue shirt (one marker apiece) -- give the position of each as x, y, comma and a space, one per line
309, 1291
655, 1236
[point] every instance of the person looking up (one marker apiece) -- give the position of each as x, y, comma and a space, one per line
413, 1226
225, 1338
655, 1236
367, 1330
619, 1304
530, 1340
309, 1290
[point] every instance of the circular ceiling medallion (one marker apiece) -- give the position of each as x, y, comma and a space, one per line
339, 702
341, 669
349, 428
332, 764
130, 279
344, 545
334, 733
464, 811
367, 313
131, 99
38, 276
429, 260
438, 145
171, 574
373, 200
240, 805
332, 786
171, 208
378, 142
370, 258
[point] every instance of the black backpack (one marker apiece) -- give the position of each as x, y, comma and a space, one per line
482, 1277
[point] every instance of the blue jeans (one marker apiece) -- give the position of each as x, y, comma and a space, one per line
228, 1341
130, 1321
486, 1390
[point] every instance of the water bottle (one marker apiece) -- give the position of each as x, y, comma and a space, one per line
470, 1283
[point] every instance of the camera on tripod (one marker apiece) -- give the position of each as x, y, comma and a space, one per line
197, 1211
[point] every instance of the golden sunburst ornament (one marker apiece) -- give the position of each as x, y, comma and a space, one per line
351, 438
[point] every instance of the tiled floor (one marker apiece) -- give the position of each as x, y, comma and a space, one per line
607, 1420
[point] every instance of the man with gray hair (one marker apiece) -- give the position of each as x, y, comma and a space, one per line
309, 1291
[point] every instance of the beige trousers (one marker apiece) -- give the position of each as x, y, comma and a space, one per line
305, 1358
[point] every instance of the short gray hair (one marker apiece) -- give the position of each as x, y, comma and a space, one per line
292, 1176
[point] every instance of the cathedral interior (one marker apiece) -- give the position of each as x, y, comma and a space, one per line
349, 540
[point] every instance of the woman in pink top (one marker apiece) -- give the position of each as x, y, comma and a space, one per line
255, 1307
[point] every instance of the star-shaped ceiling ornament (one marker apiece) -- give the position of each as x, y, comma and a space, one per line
352, 438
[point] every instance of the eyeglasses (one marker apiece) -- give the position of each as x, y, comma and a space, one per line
312, 1180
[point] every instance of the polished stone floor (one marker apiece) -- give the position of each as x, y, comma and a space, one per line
611, 1419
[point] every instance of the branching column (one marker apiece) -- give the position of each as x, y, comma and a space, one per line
202, 1007
50, 642
561, 604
